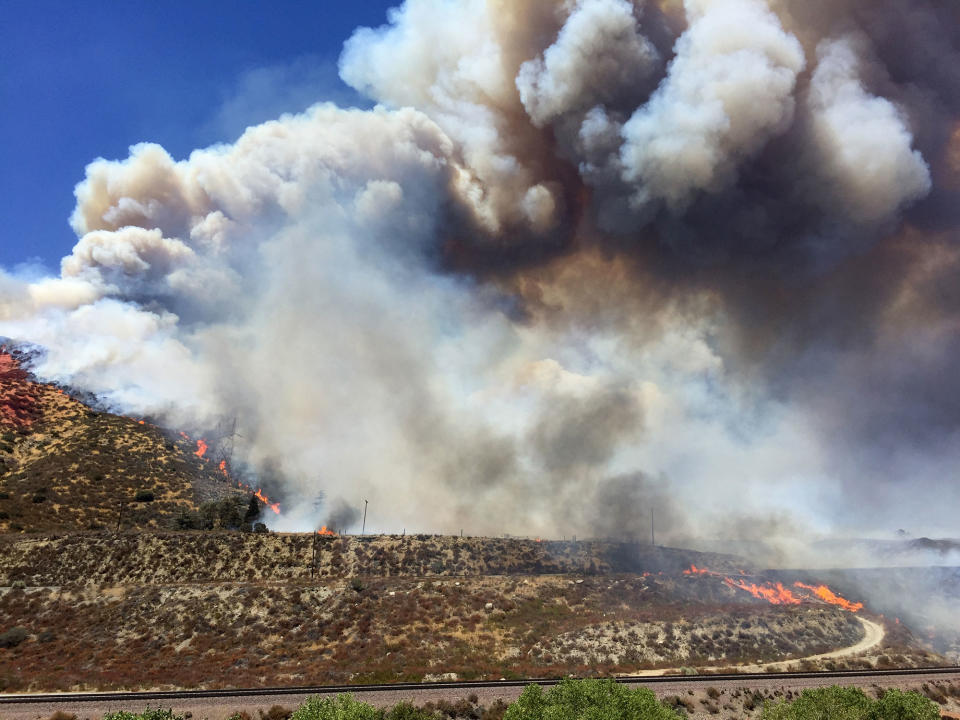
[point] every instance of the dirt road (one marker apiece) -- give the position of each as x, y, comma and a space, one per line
872, 636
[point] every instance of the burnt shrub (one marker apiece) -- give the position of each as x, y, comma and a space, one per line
276, 712
13, 637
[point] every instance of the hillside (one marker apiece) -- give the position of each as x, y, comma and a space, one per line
65, 466
218, 609
110, 559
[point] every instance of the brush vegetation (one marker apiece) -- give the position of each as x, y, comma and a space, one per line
603, 700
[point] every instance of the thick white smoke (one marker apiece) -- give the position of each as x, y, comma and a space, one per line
864, 145
412, 305
728, 91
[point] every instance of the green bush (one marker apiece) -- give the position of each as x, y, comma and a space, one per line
588, 700
143, 496
837, 703
899, 705
148, 714
342, 707
407, 711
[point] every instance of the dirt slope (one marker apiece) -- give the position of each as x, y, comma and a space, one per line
65, 466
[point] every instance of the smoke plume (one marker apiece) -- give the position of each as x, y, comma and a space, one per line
582, 260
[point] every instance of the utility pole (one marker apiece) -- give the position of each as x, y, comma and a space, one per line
653, 538
363, 528
120, 515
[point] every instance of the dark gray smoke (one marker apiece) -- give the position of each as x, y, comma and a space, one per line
342, 516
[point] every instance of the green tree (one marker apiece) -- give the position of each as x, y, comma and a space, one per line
837, 703
588, 700
342, 707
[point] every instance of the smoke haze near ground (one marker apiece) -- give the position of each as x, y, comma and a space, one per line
582, 260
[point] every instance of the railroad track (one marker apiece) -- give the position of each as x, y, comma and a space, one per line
179, 695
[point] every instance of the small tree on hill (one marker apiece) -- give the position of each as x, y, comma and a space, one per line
254, 508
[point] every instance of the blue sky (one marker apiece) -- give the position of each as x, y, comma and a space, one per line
80, 80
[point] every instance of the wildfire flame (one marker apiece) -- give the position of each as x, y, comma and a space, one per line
223, 468
775, 594
827, 595
201, 448
266, 501
323, 531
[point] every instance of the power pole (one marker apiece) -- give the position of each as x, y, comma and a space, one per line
363, 528
653, 538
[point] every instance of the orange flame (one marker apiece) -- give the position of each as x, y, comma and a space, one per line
223, 468
827, 595
266, 501
776, 594
323, 531
201, 448
184, 435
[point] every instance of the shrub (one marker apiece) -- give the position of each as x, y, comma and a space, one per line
148, 714
342, 707
407, 711
185, 520
853, 704
143, 496
276, 712
13, 637
899, 705
595, 699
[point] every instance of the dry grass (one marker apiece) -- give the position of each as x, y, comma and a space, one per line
163, 557
386, 629
66, 467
